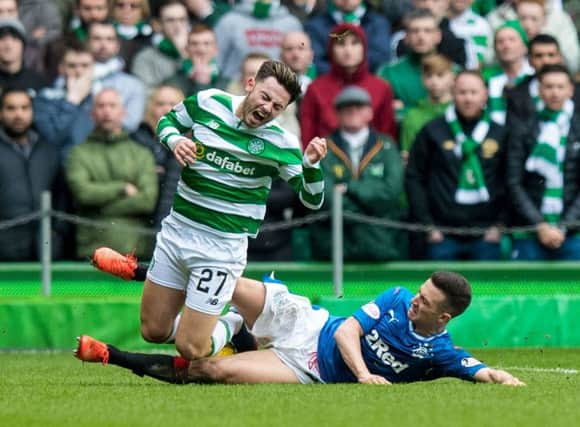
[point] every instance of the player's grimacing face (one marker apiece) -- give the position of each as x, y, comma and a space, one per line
265, 101
426, 306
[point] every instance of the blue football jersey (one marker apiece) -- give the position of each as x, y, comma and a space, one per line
391, 348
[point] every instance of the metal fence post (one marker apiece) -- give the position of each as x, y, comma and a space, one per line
46, 242
337, 239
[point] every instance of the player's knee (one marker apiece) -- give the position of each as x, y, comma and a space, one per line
192, 350
153, 333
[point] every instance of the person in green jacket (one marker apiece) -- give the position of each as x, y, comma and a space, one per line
369, 166
112, 179
438, 78
422, 37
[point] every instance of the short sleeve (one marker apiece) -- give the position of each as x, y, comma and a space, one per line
370, 314
456, 362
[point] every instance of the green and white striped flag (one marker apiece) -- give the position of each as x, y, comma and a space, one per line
471, 187
547, 158
228, 185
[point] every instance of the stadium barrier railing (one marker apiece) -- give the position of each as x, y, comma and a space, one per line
337, 216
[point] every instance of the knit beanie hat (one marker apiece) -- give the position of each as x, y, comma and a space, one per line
515, 25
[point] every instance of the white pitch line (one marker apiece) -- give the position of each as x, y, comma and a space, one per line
565, 371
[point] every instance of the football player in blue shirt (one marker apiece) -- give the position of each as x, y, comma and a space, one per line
397, 338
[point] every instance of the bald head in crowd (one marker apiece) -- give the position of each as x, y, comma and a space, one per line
108, 111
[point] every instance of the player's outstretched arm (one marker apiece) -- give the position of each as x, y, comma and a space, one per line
347, 338
497, 376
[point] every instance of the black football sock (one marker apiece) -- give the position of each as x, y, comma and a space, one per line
159, 366
140, 272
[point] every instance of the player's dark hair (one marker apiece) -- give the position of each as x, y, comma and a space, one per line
543, 39
456, 288
554, 68
284, 74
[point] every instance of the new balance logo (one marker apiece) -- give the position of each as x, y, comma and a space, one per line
213, 301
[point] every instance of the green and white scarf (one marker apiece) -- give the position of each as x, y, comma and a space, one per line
496, 86
187, 68
78, 29
471, 187
534, 91
308, 77
165, 46
129, 32
547, 158
353, 17
263, 8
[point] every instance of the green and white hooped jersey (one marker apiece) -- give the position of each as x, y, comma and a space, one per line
228, 185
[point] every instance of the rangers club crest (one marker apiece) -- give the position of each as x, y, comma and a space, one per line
256, 146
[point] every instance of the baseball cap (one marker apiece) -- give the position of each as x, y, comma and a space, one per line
352, 95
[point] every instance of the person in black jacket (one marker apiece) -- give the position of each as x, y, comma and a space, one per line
160, 102
28, 166
455, 175
450, 45
544, 172
13, 72
521, 100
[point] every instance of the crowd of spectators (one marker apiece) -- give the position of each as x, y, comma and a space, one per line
445, 113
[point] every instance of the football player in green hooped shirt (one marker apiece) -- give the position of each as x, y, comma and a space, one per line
236, 149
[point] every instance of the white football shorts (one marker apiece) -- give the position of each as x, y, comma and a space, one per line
290, 326
205, 265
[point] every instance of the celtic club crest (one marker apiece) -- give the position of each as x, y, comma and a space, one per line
256, 146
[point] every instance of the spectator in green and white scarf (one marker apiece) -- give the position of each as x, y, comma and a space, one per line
86, 12
544, 172
156, 63
510, 43
199, 69
473, 28
456, 176
131, 19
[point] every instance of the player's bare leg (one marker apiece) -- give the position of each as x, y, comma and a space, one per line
159, 308
253, 367
193, 338
249, 298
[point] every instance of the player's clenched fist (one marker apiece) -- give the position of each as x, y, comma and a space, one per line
184, 151
316, 150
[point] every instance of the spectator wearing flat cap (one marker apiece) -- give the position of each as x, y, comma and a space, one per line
13, 73
369, 166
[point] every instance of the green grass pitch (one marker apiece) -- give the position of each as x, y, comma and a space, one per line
58, 390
